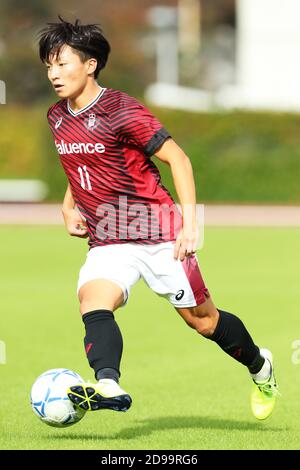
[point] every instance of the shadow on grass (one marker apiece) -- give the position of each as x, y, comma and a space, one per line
146, 427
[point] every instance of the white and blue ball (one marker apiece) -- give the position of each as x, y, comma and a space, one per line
49, 398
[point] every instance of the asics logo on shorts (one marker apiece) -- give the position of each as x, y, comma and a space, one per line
179, 294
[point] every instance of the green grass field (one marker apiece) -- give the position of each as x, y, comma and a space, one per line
187, 394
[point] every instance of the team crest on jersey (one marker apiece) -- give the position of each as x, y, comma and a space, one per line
58, 123
91, 122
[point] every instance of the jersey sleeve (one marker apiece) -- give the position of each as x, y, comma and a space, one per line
50, 118
51, 110
135, 125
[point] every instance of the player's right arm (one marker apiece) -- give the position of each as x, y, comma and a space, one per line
74, 223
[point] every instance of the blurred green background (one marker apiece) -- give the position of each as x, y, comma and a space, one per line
237, 156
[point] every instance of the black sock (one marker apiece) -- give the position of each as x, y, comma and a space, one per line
232, 336
103, 343
108, 373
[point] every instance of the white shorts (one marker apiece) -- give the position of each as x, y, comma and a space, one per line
178, 281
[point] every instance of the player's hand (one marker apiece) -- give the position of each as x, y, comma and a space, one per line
186, 243
75, 224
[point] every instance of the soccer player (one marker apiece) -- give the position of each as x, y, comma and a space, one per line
105, 140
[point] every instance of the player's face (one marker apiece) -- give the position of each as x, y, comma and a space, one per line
67, 73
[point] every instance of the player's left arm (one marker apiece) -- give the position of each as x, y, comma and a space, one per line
182, 172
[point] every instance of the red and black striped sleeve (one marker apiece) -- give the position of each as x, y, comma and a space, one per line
135, 125
50, 111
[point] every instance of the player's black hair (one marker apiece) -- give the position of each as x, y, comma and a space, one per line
87, 40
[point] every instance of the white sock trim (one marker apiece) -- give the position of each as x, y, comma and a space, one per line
264, 374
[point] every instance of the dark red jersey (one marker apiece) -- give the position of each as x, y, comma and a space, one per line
105, 150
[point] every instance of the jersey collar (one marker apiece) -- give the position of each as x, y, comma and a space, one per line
88, 106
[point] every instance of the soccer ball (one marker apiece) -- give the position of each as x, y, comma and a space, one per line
49, 398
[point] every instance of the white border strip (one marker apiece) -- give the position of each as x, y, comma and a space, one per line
88, 106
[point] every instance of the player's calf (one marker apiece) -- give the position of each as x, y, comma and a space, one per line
227, 330
205, 326
103, 346
203, 318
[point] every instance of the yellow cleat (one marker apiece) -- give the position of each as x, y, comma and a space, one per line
106, 394
263, 396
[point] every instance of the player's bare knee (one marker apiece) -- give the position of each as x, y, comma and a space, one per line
190, 321
88, 305
205, 326
100, 294
84, 307
85, 303
206, 309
